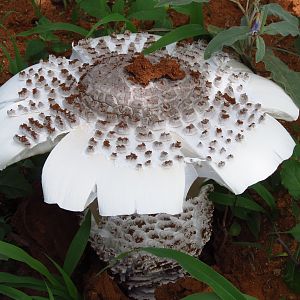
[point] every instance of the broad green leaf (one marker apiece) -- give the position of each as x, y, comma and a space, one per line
260, 49
282, 75
54, 26
68, 281
179, 2
140, 5
235, 201
178, 34
277, 10
16, 253
153, 14
196, 16
226, 38
295, 232
13, 184
265, 194
78, 245
118, 7
214, 30
283, 27
35, 50
95, 8
13, 293
200, 271
111, 18
290, 177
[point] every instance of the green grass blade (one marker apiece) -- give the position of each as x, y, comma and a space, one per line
50, 294
14, 279
265, 194
178, 34
78, 245
12, 64
210, 296
68, 281
13, 293
54, 26
202, 296
16, 253
111, 18
200, 271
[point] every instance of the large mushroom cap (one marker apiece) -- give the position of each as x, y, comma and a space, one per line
137, 139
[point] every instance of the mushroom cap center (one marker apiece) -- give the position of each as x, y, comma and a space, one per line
109, 90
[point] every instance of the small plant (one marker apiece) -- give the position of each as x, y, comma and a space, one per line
55, 286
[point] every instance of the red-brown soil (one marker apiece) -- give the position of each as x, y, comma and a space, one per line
40, 228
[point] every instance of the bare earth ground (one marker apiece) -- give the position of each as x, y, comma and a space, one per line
38, 226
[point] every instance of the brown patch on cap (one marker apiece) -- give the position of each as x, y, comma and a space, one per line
143, 71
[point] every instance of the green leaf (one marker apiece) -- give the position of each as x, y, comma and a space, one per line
110, 18
265, 194
78, 245
226, 38
202, 296
50, 294
290, 177
118, 7
200, 271
153, 14
284, 28
68, 281
176, 35
260, 49
16, 253
95, 8
235, 201
179, 2
210, 296
235, 229
35, 50
281, 74
276, 10
295, 232
23, 280
54, 26
214, 30
12, 64
20, 62
13, 184
13, 293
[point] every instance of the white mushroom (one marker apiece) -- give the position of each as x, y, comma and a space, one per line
138, 149
92, 95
